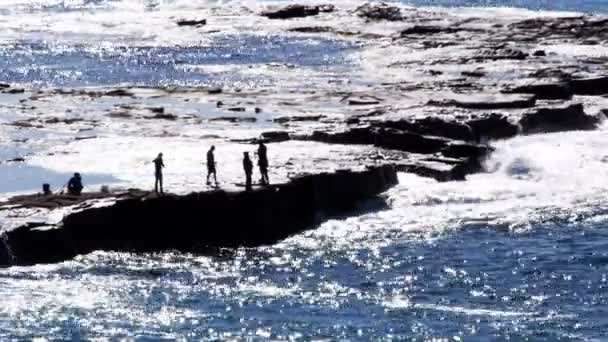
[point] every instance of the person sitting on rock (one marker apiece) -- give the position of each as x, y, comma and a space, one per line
263, 164
46, 189
75, 185
211, 165
248, 167
158, 168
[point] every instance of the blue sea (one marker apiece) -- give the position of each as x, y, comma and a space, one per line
519, 253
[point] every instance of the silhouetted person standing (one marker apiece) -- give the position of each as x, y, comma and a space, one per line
211, 165
158, 168
75, 185
248, 167
263, 164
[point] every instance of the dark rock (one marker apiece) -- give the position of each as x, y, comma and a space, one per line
558, 119
235, 119
120, 114
379, 11
473, 73
502, 53
15, 160
191, 22
163, 117
14, 91
86, 137
590, 86
494, 126
544, 73
311, 29
545, 91
275, 136
300, 118
502, 102
25, 124
4, 85
408, 141
362, 101
580, 27
214, 90
118, 92
427, 30
465, 150
441, 170
356, 136
198, 221
67, 121
540, 53
297, 11
432, 126
157, 110
236, 109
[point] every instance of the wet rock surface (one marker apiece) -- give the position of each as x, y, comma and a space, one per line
557, 119
199, 222
380, 11
298, 11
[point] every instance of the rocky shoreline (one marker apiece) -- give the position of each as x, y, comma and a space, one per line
197, 222
430, 94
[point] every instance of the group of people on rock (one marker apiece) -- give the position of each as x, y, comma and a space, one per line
212, 168
74, 186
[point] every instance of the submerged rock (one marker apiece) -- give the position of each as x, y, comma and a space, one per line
502, 53
235, 119
191, 22
275, 136
489, 102
428, 30
198, 221
300, 118
558, 119
545, 91
379, 11
298, 11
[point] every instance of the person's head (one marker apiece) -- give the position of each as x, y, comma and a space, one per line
212, 148
160, 155
246, 154
261, 142
77, 175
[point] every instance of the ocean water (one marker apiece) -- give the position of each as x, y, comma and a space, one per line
517, 253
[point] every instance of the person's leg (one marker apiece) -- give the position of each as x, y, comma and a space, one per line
248, 181
156, 184
160, 181
215, 176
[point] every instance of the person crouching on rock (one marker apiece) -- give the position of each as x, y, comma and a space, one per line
263, 164
75, 185
158, 168
248, 167
211, 166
